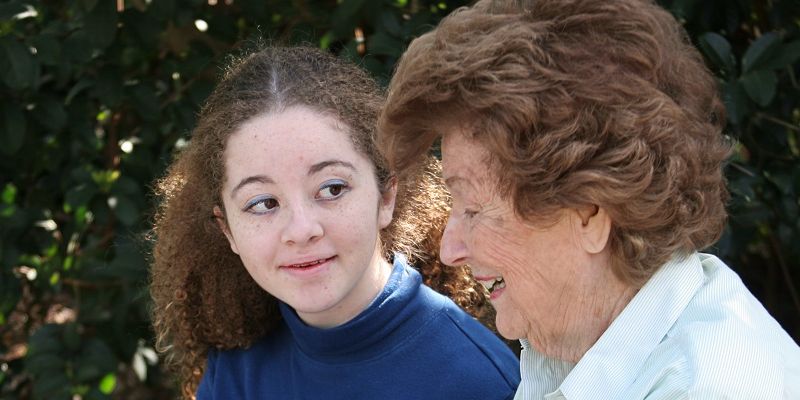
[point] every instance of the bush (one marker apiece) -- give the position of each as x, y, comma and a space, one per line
96, 96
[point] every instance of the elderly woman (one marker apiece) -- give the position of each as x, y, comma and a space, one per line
581, 142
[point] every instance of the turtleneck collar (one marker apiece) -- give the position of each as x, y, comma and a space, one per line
387, 319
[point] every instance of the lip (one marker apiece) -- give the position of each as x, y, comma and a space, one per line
493, 294
295, 269
496, 293
485, 277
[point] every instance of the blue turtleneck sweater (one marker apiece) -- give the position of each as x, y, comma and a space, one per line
410, 343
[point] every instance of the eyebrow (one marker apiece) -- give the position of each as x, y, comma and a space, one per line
329, 163
249, 180
311, 171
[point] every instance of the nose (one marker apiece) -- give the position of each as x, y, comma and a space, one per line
303, 226
453, 248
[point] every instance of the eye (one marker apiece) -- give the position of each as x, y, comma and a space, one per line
262, 205
470, 213
332, 189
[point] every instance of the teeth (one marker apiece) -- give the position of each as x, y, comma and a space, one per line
307, 264
496, 283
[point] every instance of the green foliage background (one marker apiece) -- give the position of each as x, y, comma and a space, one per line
95, 95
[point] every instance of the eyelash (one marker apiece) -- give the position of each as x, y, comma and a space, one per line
261, 200
342, 187
335, 183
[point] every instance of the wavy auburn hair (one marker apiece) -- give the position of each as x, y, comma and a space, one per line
203, 296
578, 102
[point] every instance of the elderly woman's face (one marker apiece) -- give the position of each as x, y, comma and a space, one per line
531, 272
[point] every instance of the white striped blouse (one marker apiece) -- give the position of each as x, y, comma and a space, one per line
693, 331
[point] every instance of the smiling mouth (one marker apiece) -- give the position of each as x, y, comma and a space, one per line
493, 284
309, 264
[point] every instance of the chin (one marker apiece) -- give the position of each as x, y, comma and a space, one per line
311, 307
507, 332
509, 328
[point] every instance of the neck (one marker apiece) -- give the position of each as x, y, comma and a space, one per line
587, 312
359, 297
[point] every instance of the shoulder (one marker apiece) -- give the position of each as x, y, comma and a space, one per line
704, 359
727, 343
719, 360
458, 335
238, 373
226, 370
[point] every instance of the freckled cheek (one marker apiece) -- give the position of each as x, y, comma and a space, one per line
255, 238
351, 221
245, 229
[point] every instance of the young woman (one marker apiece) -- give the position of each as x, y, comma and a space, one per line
275, 270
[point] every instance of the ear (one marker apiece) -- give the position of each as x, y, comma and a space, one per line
593, 226
223, 226
386, 204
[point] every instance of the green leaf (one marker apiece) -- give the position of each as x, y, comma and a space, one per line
48, 49
199, 91
86, 372
80, 195
53, 386
391, 23
162, 10
89, 4
736, 101
146, 102
77, 47
13, 128
9, 193
348, 8
100, 24
77, 88
72, 339
19, 67
109, 88
760, 86
44, 340
717, 50
126, 210
760, 51
784, 56
45, 364
382, 43
343, 20
95, 360
683, 8
126, 185
10, 9
51, 113
108, 383
325, 41
128, 262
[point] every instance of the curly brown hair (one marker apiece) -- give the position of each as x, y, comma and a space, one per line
578, 102
203, 296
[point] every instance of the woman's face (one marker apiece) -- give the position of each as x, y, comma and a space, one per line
303, 212
531, 272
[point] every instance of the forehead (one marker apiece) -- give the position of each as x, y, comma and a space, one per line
463, 159
289, 140
467, 171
